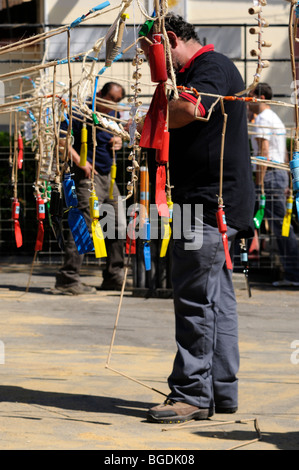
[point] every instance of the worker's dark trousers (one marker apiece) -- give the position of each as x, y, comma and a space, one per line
207, 359
69, 274
276, 182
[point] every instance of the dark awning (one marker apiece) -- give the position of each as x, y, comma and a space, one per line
11, 3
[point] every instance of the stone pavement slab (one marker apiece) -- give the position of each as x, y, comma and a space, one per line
57, 393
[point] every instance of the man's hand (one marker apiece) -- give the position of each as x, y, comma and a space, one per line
128, 124
116, 143
87, 169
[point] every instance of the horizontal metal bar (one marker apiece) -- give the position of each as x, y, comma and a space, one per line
197, 25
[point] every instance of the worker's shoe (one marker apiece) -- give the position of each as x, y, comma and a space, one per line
177, 412
109, 284
285, 283
224, 410
74, 289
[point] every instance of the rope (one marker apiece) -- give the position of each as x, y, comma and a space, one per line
257, 9
292, 37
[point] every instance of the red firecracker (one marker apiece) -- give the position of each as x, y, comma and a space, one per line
41, 215
157, 60
222, 227
20, 152
17, 227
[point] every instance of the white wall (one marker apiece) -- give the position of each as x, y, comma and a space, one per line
67, 11
206, 11
197, 11
236, 11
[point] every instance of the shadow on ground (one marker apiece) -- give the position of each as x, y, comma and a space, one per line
112, 405
74, 402
282, 441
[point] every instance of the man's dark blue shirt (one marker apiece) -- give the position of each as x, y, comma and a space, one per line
103, 156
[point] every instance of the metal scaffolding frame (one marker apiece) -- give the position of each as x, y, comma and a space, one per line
268, 257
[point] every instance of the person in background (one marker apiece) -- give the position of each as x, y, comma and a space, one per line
68, 279
269, 141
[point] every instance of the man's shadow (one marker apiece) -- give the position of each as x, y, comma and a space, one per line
280, 440
74, 402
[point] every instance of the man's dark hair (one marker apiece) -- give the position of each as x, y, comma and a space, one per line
180, 27
263, 89
107, 87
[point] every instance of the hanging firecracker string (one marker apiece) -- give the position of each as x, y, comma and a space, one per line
220, 215
144, 220
96, 229
257, 9
16, 203
113, 170
294, 161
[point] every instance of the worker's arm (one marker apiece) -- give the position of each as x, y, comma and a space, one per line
181, 113
116, 143
75, 157
263, 145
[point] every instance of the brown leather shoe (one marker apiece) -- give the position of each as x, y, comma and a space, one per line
177, 412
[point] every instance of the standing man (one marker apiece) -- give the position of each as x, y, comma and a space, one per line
68, 278
204, 375
269, 141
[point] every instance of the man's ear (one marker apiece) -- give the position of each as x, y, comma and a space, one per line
173, 39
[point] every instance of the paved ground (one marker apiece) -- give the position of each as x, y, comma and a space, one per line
56, 392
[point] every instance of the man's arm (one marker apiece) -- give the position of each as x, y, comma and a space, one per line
76, 159
181, 113
263, 146
116, 143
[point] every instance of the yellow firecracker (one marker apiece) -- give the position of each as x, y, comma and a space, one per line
96, 229
166, 229
113, 177
83, 150
286, 225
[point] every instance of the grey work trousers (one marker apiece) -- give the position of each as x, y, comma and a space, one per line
69, 273
275, 184
206, 323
